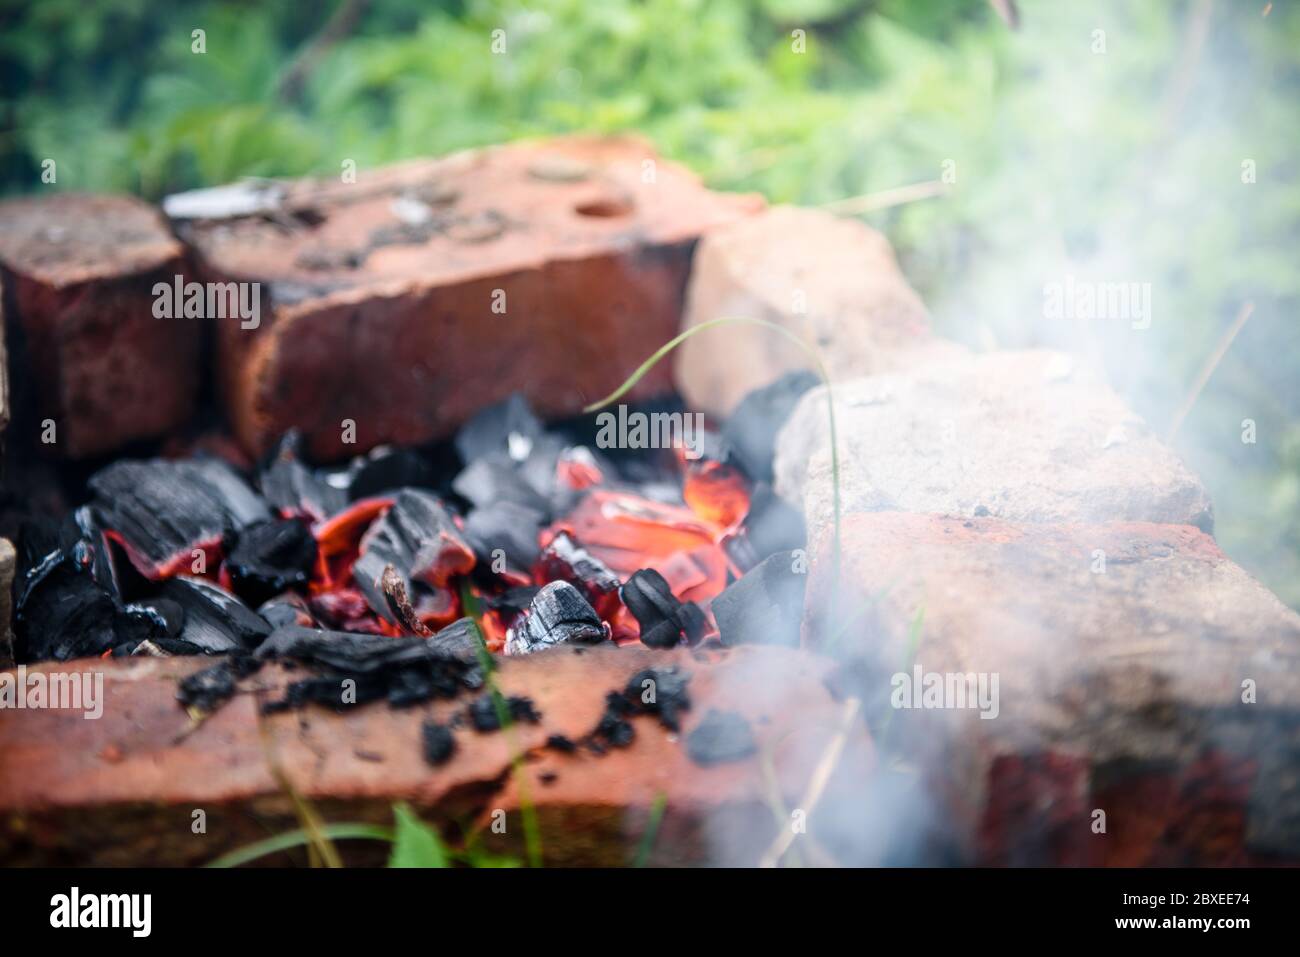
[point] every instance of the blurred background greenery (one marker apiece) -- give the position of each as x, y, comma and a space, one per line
1103, 141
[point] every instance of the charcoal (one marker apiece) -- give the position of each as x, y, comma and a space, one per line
167, 616
439, 743
483, 714
419, 538
752, 428
513, 601
386, 469
765, 606
164, 510
722, 737
331, 691
614, 728
495, 478
287, 609
271, 557
661, 692
558, 613
293, 488
663, 619
561, 743
564, 560
211, 687
772, 525
460, 640
510, 527
215, 620
509, 426
61, 612
344, 651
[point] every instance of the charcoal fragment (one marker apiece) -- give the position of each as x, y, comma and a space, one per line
765, 606
661, 692
287, 609
510, 527
564, 560
722, 737
752, 428
664, 620
484, 717
460, 640
509, 426
558, 613
558, 742
386, 469
439, 743
215, 620
494, 479
773, 524
211, 687
162, 510
614, 728
268, 558
294, 489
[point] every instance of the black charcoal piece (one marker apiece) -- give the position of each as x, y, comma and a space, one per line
387, 469
752, 428
344, 651
166, 616
722, 737
773, 524
662, 692
459, 640
293, 488
419, 538
509, 426
558, 613
439, 743
163, 510
558, 742
287, 609
766, 605
484, 716
614, 729
215, 620
271, 557
495, 478
663, 619
564, 560
211, 687
510, 527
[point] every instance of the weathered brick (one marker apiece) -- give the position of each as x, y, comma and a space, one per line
832, 281
78, 274
1026, 436
1119, 690
122, 789
382, 291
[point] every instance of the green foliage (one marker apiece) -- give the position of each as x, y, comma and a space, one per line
415, 844
1066, 160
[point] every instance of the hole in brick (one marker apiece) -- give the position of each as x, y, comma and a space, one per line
607, 207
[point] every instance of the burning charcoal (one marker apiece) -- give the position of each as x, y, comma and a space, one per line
439, 743
660, 691
62, 613
418, 537
766, 605
293, 489
751, 430
722, 737
663, 619
208, 689
508, 426
563, 560
557, 614
772, 524
163, 511
508, 526
271, 557
215, 620
287, 609
483, 714
459, 640
494, 479
387, 469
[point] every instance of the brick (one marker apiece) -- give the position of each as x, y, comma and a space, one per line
1025, 436
121, 789
1120, 691
78, 273
390, 323
832, 281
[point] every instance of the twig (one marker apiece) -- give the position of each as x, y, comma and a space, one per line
817, 783
1243, 315
886, 198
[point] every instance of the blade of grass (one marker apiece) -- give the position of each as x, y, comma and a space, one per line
299, 837
651, 830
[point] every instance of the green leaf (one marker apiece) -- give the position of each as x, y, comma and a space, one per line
415, 844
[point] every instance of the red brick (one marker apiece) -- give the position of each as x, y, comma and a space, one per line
1119, 691
593, 260
78, 273
121, 789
